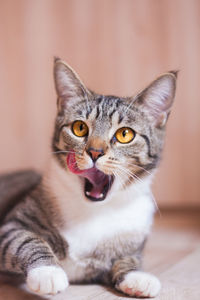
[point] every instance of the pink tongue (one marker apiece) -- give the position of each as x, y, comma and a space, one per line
96, 177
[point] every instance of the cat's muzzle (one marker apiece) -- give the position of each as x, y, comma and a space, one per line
97, 183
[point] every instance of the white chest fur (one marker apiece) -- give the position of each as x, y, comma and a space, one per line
88, 225
85, 235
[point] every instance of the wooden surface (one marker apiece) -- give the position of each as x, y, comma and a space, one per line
117, 47
172, 253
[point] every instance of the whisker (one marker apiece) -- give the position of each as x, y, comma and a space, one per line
156, 205
129, 173
116, 174
140, 180
122, 183
132, 164
125, 174
65, 151
62, 151
127, 193
114, 163
129, 106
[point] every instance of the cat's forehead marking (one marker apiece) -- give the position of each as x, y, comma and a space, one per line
115, 117
110, 109
94, 112
99, 99
79, 112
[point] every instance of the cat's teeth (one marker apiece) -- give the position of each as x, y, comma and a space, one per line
88, 194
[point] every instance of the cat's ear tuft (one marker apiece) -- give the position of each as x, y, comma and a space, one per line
174, 72
157, 99
56, 58
68, 85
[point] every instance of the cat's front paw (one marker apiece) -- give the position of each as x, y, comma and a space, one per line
47, 280
139, 284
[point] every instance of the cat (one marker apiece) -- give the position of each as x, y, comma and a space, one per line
88, 218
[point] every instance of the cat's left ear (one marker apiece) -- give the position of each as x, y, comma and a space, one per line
157, 99
69, 86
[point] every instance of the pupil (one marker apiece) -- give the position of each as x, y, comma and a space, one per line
124, 133
81, 127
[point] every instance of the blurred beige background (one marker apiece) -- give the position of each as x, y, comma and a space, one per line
117, 47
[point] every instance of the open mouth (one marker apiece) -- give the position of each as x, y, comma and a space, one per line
97, 184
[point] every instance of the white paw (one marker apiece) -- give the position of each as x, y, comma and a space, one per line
139, 284
47, 280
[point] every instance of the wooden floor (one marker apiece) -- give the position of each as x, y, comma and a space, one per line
172, 253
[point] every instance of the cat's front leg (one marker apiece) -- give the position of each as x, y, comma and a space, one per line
128, 279
26, 253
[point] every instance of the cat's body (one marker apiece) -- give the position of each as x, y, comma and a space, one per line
99, 234
92, 211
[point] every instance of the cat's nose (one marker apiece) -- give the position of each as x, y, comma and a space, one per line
95, 153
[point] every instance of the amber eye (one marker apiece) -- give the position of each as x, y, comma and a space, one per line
79, 128
124, 135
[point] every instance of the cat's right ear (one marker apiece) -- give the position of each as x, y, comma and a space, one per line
157, 99
68, 85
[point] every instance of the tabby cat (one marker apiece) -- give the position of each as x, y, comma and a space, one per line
88, 218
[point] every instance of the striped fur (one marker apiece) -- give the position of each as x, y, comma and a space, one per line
28, 238
53, 227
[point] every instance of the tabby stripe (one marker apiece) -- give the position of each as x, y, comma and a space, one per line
6, 247
52, 243
148, 145
139, 173
52, 239
63, 245
137, 158
40, 207
98, 112
60, 247
146, 167
24, 243
88, 113
99, 99
20, 222
37, 249
40, 258
112, 113
120, 119
36, 221
6, 234
41, 253
60, 129
150, 166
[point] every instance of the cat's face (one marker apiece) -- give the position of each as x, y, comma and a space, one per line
109, 142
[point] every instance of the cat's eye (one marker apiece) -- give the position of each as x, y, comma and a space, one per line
124, 135
79, 128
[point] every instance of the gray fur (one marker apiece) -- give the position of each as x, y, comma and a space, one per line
14, 186
30, 232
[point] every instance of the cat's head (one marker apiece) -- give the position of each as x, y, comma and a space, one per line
109, 141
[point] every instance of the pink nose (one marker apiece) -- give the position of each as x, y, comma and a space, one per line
95, 153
